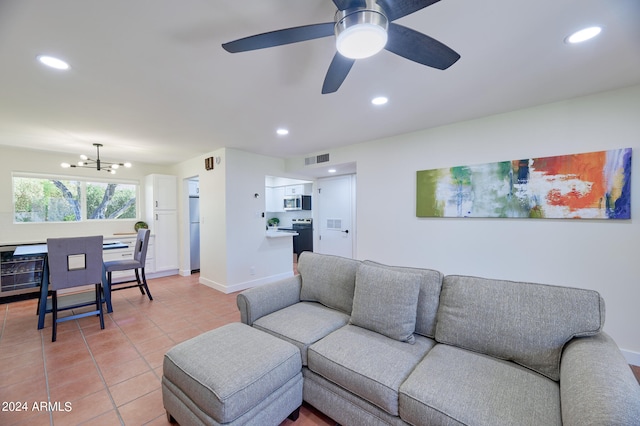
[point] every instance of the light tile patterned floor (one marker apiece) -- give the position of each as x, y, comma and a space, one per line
110, 376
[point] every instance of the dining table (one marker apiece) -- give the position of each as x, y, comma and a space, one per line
41, 249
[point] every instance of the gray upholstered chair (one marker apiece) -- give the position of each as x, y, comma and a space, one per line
137, 264
74, 262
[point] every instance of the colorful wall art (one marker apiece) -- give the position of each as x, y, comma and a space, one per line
595, 185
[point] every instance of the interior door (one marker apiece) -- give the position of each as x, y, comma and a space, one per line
336, 216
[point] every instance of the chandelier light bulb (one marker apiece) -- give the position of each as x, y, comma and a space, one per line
96, 163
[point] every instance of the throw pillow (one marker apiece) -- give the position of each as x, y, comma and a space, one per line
386, 301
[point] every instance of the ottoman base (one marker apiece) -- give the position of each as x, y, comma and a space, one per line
283, 403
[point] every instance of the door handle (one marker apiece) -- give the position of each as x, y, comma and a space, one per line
346, 231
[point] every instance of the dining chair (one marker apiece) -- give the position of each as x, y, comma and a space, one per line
74, 262
137, 264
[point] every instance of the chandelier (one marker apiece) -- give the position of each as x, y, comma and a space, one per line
96, 163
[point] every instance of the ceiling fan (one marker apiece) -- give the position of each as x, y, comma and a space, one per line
362, 28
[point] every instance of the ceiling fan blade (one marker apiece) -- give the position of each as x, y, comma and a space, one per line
420, 48
338, 70
280, 37
348, 4
396, 9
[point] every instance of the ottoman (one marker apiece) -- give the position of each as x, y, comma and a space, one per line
233, 375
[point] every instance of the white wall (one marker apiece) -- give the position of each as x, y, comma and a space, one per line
234, 251
594, 254
32, 161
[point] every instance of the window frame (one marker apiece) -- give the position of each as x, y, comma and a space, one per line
83, 195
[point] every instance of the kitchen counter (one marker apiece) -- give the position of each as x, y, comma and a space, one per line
275, 233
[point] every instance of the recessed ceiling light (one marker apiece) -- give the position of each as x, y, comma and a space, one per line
380, 100
583, 35
332, 170
52, 62
282, 132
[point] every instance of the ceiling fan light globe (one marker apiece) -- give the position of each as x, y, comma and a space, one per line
361, 40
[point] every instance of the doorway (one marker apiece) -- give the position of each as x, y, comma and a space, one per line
336, 215
194, 224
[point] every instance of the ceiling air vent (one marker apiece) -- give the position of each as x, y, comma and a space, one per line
322, 158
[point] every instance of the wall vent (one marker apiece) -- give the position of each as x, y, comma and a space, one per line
322, 158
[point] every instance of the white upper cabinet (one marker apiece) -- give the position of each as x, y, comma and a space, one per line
161, 192
274, 198
294, 190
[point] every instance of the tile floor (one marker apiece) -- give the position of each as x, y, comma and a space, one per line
110, 376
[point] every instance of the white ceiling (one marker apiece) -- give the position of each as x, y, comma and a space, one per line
150, 81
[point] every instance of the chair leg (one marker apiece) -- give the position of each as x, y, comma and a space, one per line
99, 305
144, 282
140, 287
54, 309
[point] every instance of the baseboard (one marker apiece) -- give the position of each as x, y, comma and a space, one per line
161, 274
232, 288
632, 358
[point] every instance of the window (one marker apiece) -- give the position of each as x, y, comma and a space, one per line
58, 199
111, 200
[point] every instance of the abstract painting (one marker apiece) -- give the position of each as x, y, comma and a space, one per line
594, 185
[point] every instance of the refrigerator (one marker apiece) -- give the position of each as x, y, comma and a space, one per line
194, 232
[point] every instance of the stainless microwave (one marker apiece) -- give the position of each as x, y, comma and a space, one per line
297, 202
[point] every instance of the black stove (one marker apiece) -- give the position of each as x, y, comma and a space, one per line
304, 240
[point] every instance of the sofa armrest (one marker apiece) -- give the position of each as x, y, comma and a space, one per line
597, 385
257, 302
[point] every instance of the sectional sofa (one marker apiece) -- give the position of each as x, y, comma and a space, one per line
383, 345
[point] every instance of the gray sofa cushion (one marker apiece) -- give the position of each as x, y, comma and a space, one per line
329, 280
367, 364
453, 386
302, 324
428, 298
385, 301
522, 322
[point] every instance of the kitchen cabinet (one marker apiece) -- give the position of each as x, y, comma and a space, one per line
166, 244
162, 218
161, 192
294, 190
274, 199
